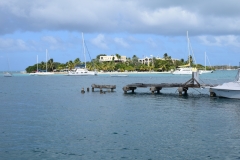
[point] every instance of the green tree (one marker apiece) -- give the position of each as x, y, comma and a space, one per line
77, 61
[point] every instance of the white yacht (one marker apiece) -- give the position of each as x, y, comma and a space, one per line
82, 71
7, 74
227, 90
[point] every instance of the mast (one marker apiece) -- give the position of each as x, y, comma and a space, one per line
205, 61
46, 60
37, 63
188, 50
84, 50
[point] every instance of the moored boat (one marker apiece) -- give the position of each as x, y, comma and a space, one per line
227, 90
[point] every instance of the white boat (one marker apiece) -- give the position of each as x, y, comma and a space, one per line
205, 71
186, 69
82, 71
227, 90
44, 73
7, 74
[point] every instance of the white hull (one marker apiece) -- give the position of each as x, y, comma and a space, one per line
226, 93
82, 72
43, 73
7, 74
182, 72
185, 71
228, 90
201, 71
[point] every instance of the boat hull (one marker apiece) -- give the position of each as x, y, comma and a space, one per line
82, 74
43, 74
205, 71
226, 93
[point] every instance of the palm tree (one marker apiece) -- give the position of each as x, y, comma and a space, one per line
50, 64
118, 56
77, 61
70, 65
42, 66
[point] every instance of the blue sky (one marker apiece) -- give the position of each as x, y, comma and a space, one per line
126, 27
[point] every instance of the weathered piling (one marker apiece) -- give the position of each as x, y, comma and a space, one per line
112, 87
87, 89
82, 91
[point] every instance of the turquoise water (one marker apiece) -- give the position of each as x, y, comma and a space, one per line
48, 118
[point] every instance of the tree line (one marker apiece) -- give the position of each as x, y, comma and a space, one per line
131, 64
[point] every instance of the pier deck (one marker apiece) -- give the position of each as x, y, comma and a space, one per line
182, 87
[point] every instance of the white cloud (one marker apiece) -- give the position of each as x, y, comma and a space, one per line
121, 42
156, 16
229, 40
100, 41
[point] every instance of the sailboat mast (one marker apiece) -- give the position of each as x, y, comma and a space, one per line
84, 50
46, 60
37, 63
188, 50
205, 61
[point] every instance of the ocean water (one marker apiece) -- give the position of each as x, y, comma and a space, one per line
47, 117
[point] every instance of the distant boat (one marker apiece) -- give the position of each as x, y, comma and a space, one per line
205, 71
227, 90
44, 73
7, 74
82, 71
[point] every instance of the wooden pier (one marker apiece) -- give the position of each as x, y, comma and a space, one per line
182, 87
112, 87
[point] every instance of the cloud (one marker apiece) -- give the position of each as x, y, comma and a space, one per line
100, 41
229, 40
121, 42
13, 44
105, 16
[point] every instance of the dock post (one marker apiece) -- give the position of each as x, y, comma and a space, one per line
111, 89
92, 89
87, 89
101, 90
185, 89
212, 94
82, 91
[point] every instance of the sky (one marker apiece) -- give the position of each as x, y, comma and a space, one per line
125, 27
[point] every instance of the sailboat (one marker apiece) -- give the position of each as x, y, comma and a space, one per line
44, 73
205, 71
82, 71
185, 69
7, 74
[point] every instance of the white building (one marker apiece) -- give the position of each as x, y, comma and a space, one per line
112, 58
148, 60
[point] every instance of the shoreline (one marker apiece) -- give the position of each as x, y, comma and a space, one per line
99, 73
